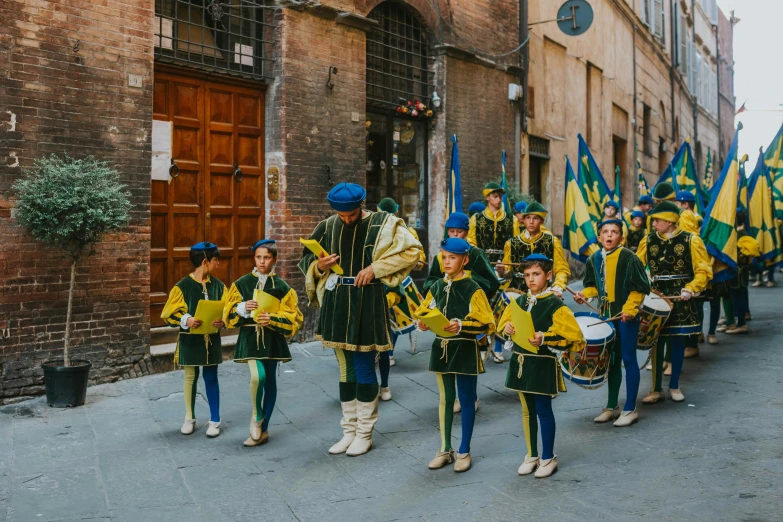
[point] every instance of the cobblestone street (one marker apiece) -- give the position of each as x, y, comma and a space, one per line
717, 456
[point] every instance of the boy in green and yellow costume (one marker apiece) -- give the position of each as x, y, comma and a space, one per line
262, 340
491, 228
455, 359
374, 251
537, 377
197, 350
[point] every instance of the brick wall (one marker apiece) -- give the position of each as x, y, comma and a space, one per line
64, 69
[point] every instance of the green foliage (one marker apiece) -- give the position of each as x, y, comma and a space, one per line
71, 204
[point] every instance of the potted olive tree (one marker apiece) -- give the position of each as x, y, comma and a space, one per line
69, 205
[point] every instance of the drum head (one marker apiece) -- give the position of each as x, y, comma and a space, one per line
654, 302
594, 333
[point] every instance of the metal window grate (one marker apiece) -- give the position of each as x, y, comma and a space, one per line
397, 59
539, 147
229, 36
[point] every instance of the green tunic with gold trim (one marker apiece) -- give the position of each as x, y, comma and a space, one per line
356, 318
267, 342
519, 247
461, 299
540, 373
478, 266
491, 234
194, 349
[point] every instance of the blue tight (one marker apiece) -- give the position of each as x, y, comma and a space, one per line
625, 349
263, 389
465, 386
358, 380
384, 363
677, 346
537, 411
211, 387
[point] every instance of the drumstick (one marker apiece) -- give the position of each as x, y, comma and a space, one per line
593, 308
506, 264
606, 320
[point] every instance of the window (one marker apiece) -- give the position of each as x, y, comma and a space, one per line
397, 52
231, 36
681, 44
710, 8
647, 130
654, 17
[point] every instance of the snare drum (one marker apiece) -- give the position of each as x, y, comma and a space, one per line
589, 367
653, 313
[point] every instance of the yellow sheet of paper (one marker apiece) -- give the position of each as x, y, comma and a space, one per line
315, 247
266, 303
207, 312
523, 324
436, 321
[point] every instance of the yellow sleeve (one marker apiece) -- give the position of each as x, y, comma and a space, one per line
560, 267
232, 298
507, 255
288, 319
174, 308
702, 266
392, 298
422, 257
641, 250
565, 331
472, 231
505, 318
688, 222
425, 306
633, 302
479, 319
590, 292
517, 230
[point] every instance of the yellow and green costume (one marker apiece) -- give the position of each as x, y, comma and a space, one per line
490, 230
545, 243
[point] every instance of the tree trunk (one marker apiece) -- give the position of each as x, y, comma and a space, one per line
67, 349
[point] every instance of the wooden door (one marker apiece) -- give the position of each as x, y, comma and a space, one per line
216, 129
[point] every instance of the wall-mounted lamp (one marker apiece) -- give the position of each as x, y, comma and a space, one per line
329, 80
436, 101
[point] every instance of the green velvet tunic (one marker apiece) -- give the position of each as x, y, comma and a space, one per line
480, 271
672, 257
351, 318
520, 249
459, 354
491, 236
197, 349
261, 343
630, 276
537, 373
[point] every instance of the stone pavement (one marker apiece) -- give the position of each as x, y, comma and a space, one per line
717, 456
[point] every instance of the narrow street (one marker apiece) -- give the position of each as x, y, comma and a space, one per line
717, 456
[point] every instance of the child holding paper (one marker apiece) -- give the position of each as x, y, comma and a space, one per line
263, 331
195, 350
455, 358
537, 375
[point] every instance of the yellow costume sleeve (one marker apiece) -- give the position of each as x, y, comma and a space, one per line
174, 308
507, 256
633, 302
395, 252
688, 222
564, 332
233, 298
480, 319
517, 230
560, 267
702, 266
288, 319
472, 231
641, 250
590, 292
422, 257
505, 318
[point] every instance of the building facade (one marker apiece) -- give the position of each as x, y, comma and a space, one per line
229, 120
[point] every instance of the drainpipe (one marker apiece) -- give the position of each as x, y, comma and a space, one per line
520, 120
675, 48
635, 103
695, 97
717, 80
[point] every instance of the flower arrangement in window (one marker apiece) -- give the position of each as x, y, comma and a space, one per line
414, 108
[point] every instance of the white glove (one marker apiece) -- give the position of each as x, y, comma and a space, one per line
557, 291
686, 294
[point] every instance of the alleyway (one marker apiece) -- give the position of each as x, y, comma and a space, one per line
717, 456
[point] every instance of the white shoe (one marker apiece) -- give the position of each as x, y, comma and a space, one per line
391, 361
528, 466
255, 428
213, 429
497, 357
648, 367
712, 339
626, 419
188, 427
607, 415
677, 395
385, 394
366, 417
348, 423
457, 406
547, 468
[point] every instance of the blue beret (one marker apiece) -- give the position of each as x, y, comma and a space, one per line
646, 199
637, 214
203, 246
458, 220
520, 206
455, 245
537, 257
617, 222
684, 195
476, 207
262, 243
345, 197
611, 203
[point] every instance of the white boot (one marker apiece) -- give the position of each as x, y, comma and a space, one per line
188, 427
213, 429
626, 418
367, 416
255, 428
348, 424
386, 394
547, 468
528, 466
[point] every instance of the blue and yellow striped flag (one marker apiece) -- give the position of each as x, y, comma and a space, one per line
718, 231
592, 183
504, 183
667, 176
742, 185
644, 188
685, 175
455, 185
761, 214
578, 229
773, 159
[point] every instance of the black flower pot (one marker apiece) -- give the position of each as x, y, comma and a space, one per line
66, 386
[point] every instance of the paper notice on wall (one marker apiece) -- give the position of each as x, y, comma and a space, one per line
161, 150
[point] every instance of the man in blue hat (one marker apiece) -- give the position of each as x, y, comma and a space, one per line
366, 250
645, 204
637, 230
519, 213
689, 220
